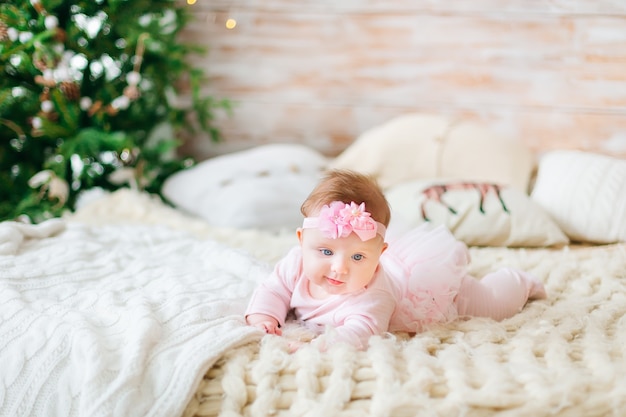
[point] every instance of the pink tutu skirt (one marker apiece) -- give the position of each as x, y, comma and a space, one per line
426, 265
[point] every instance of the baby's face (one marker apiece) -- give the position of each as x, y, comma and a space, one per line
339, 266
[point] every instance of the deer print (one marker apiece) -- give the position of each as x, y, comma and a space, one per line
435, 192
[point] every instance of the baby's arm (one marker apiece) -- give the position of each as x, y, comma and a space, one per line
355, 332
270, 302
264, 322
367, 316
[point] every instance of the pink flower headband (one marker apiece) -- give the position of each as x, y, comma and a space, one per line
340, 219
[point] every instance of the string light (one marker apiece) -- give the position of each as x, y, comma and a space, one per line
231, 23
212, 17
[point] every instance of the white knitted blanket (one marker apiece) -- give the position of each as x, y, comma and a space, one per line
114, 320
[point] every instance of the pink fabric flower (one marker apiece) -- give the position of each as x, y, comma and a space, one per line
358, 217
339, 219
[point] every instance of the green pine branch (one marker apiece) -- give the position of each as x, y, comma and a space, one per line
85, 88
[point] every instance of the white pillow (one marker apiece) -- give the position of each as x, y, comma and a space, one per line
584, 193
508, 219
260, 188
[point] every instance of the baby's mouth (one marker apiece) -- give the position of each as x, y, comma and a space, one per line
334, 281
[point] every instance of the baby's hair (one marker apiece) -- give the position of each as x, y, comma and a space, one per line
348, 186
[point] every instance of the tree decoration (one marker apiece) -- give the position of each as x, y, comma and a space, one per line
4, 31
87, 90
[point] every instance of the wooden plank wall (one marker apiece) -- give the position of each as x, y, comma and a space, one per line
551, 73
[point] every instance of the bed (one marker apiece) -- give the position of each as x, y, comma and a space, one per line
131, 307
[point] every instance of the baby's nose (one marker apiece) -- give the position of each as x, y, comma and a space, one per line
340, 266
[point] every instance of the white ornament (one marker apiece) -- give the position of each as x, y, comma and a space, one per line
78, 62
62, 73
55, 186
59, 189
133, 78
48, 74
145, 20
47, 106
121, 103
18, 92
85, 103
40, 178
15, 60
37, 123
13, 34
51, 22
25, 36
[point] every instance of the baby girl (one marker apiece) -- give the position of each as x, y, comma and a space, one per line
345, 275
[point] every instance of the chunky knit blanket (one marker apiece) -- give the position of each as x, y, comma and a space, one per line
564, 356
114, 320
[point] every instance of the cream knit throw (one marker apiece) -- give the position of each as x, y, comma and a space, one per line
565, 356
114, 320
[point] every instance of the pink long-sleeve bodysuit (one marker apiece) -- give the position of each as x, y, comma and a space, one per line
422, 279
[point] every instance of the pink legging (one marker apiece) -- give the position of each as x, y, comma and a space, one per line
499, 295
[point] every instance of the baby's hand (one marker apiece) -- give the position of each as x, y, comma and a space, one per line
294, 345
264, 322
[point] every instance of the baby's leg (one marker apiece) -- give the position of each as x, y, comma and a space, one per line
498, 295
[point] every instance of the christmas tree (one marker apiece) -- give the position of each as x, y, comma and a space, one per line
88, 98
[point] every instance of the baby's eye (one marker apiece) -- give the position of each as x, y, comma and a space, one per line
326, 252
357, 257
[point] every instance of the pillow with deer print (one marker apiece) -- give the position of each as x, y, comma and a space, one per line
477, 213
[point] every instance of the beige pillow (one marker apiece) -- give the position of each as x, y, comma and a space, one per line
508, 216
584, 193
422, 146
